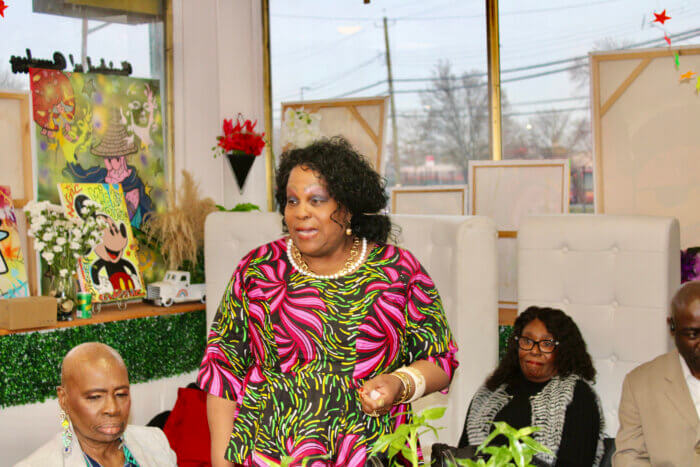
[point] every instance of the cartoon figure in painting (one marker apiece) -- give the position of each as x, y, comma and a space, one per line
53, 101
140, 118
114, 149
120, 273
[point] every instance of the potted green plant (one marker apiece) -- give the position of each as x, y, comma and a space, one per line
405, 438
519, 452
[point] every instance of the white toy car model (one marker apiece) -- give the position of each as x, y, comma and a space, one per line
175, 288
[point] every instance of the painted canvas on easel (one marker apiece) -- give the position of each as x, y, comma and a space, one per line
95, 128
110, 270
13, 274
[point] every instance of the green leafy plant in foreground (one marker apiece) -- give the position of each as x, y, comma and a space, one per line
240, 207
405, 438
519, 452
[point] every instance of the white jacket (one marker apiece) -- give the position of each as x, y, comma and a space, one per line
148, 445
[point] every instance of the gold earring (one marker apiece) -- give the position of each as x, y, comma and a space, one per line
348, 231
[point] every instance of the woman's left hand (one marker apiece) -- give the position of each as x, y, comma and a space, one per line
378, 394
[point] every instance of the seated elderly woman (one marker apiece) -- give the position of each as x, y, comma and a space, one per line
544, 380
95, 401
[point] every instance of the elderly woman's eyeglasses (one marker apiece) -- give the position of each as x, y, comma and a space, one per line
545, 345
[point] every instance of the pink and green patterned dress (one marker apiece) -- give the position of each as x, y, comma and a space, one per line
292, 351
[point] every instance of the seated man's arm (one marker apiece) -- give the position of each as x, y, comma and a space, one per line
630, 447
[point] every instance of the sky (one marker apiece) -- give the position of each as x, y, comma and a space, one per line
326, 49
44, 34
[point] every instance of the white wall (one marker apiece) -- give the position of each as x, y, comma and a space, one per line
218, 73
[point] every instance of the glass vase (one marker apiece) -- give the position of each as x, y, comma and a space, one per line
64, 289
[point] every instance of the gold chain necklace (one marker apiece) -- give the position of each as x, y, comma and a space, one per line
351, 263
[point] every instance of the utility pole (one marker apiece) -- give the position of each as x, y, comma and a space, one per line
394, 131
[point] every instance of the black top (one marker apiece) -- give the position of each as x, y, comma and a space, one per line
579, 438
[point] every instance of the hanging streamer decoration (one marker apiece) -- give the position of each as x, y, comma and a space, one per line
686, 77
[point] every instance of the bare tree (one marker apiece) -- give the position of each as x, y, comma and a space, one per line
580, 74
9, 81
454, 123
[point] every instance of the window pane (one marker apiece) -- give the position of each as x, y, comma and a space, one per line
45, 27
330, 50
545, 72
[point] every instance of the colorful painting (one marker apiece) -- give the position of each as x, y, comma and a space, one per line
110, 270
95, 128
13, 274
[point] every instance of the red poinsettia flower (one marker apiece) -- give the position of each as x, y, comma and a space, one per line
240, 137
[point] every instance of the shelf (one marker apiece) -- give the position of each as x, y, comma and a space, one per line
110, 313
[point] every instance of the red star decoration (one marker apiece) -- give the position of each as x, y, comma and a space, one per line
2, 8
661, 17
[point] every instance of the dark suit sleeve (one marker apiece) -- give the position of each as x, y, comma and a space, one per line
579, 438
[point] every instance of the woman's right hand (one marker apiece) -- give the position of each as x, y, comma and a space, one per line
378, 394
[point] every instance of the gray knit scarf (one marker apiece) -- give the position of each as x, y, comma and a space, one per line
548, 409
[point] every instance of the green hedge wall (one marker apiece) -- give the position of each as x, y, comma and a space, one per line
152, 348
504, 333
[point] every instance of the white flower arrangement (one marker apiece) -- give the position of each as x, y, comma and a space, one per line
300, 128
59, 240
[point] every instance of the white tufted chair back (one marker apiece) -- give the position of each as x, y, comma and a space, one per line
458, 252
615, 276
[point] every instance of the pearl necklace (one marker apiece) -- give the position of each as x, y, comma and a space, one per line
304, 269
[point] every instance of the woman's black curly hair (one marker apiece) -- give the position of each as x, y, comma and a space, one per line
570, 357
349, 179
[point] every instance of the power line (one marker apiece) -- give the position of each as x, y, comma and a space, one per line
677, 37
417, 111
369, 86
514, 114
550, 111
508, 13
549, 101
434, 18
508, 80
337, 76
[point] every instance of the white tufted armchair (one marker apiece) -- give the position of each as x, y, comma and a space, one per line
615, 276
458, 252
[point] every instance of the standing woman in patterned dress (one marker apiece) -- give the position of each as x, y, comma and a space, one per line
323, 336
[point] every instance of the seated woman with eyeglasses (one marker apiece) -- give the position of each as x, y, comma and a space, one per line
544, 380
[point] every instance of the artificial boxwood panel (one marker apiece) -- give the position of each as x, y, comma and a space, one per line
504, 333
152, 348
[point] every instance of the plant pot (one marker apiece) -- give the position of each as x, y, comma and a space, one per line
240, 164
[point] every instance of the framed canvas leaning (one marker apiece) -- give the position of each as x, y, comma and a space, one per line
447, 200
507, 191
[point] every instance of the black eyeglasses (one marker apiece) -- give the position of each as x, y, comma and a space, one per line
545, 345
